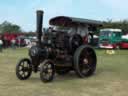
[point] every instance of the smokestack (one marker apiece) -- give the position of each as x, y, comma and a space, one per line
39, 26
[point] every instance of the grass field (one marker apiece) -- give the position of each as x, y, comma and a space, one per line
110, 79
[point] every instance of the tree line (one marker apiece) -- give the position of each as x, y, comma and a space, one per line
122, 24
14, 28
9, 28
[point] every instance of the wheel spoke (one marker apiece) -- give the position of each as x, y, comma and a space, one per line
23, 74
20, 72
23, 64
20, 68
28, 65
26, 73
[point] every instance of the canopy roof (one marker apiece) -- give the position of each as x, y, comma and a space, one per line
110, 29
72, 21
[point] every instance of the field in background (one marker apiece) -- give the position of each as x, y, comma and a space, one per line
110, 79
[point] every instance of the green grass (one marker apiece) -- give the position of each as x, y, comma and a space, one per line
110, 79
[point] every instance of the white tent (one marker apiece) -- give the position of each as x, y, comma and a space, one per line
125, 36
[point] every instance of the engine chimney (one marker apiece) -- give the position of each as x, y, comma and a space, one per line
39, 26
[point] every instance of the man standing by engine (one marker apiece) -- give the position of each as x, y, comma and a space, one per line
13, 43
1, 45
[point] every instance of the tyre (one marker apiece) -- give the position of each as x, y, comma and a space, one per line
47, 71
24, 69
85, 61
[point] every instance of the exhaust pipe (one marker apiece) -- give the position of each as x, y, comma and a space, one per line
39, 26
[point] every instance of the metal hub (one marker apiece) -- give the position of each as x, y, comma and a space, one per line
86, 61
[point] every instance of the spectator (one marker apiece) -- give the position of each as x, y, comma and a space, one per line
1, 45
13, 43
19, 41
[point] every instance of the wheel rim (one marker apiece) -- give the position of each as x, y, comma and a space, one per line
47, 70
24, 69
86, 60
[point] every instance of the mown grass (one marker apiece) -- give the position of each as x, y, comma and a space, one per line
110, 79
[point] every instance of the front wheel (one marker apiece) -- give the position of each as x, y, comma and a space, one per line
85, 61
24, 69
47, 71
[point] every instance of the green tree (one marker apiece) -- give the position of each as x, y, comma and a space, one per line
117, 24
9, 27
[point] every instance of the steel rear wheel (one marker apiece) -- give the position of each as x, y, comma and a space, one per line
47, 71
24, 69
85, 61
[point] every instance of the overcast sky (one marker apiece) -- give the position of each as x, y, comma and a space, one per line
22, 12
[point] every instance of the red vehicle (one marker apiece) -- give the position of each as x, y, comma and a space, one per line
124, 43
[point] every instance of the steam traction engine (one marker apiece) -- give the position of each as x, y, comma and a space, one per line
59, 52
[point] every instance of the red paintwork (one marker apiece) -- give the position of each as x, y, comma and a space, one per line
124, 45
116, 45
85, 39
109, 46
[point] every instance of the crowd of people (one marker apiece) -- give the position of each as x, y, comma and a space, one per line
4, 44
10, 44
14, 43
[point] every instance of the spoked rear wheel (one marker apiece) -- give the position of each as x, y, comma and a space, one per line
24, 69
85, 61
47, 71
